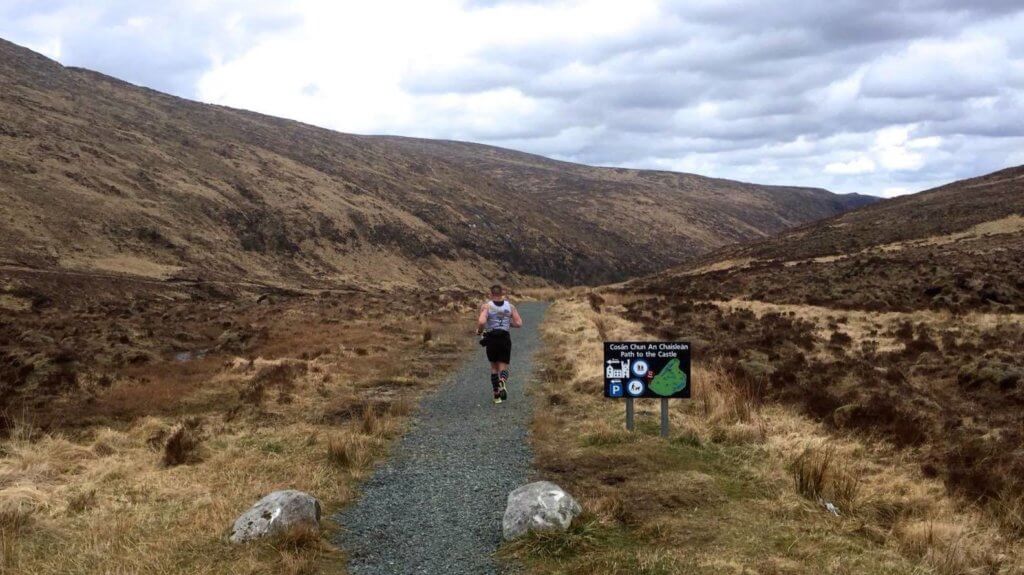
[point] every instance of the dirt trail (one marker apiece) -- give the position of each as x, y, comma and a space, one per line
436, 506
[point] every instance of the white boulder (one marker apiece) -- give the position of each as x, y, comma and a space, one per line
276, 514
539, 506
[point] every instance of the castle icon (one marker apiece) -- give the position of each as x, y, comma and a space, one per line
617, 369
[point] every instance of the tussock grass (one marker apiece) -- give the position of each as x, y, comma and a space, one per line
350, 451
947, 547
819, 476
18, 504
155, 493
371, 423
731, 411
183, 444
81, 500
1008, 508
402, 407
740, 485
810, 470
586, 533
280, 375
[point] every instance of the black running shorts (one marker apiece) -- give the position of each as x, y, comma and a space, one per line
499, 346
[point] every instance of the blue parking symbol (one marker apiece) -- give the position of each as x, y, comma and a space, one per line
615, 390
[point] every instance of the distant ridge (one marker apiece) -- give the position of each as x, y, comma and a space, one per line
959, 247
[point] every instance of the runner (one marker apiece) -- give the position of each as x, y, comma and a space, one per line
496, 317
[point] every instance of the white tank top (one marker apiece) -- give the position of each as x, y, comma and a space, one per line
498, 317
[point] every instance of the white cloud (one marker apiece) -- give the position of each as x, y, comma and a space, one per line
969, 66
860, 165
895, 191
361, 57
896, 150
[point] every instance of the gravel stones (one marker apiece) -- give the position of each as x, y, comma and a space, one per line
436, 506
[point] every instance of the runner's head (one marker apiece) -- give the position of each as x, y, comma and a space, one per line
497, 292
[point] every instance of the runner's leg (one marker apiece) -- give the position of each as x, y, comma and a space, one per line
502, 379
495, 377
503, 360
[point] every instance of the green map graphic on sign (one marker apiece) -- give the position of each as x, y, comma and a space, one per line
670, 381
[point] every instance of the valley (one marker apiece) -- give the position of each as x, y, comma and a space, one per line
896, 326
202, 304
102, 176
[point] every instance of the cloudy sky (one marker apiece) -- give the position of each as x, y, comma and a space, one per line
881, 97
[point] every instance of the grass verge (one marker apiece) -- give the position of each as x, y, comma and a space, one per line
739, 487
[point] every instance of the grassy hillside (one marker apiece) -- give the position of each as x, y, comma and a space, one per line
742, 485
958, 247
100, 176
900, 322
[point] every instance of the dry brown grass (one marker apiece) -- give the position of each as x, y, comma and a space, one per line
863, 325
731, 411
155, 494
751, 477
181, 447
818, 476
383, 423
17, 506
549, 293
350, 450
810, 469
942, 387
1009, 509
947, 547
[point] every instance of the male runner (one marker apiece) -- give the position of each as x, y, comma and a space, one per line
496, 317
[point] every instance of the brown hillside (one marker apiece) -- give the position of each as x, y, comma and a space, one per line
136, 226
958, 247
100, 176
901, 320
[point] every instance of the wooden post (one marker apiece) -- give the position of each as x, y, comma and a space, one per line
629, 413
664, 417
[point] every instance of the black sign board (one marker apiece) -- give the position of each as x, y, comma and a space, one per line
647, 369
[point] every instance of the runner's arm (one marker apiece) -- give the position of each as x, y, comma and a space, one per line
481, 321
516, 320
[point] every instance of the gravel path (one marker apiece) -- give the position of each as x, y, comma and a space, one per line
436, 506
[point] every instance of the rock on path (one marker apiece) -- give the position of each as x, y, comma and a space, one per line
436, 507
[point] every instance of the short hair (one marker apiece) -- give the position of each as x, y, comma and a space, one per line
496, 288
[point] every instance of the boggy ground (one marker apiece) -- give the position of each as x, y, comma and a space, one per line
742, 484
141, 419
948, 388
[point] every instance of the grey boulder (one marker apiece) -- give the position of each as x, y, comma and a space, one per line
279, 513
539, 506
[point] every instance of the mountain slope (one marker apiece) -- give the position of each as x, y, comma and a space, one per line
99, 176
958, 247
902, 320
